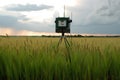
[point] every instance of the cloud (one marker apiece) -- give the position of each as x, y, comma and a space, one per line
22, 23
96, 16
10, 20
107, 14
27, 7
96, 12
6, 20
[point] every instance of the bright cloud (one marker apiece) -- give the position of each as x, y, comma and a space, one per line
27, 7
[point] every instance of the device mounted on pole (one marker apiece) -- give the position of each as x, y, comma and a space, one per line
63, 26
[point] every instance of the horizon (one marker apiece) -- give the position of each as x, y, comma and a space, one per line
56, 34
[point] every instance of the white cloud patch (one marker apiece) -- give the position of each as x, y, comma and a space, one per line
27, 7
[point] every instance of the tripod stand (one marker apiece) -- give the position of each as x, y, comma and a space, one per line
67, 44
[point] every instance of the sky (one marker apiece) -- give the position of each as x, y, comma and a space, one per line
27, 17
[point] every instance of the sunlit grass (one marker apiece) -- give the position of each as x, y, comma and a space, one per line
36, 58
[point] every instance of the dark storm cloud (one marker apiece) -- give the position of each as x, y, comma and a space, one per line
27, 7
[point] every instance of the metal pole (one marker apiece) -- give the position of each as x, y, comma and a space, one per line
64, 11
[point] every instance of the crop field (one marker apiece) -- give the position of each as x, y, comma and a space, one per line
37, 58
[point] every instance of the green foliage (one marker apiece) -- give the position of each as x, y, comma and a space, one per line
34, 58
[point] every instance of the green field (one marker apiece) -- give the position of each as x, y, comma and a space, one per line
37, 58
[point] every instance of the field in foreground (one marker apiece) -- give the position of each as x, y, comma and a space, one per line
34, 58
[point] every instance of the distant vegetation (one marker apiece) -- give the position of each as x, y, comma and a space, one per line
38, 58
78, 35
67, 35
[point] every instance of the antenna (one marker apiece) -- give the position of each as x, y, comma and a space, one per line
64, 11
71, 15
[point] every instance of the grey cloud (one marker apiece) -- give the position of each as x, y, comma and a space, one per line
98, 16
8, 21
109, 2
96, 12
113, 7
27, 7
104, 11
94, 29
105, 14
103, 8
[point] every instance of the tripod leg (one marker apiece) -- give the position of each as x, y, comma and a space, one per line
59, 42
67, 41
68, 57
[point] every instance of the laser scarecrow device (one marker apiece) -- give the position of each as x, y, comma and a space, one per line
63, 24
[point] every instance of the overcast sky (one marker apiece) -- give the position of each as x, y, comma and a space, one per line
34, 16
